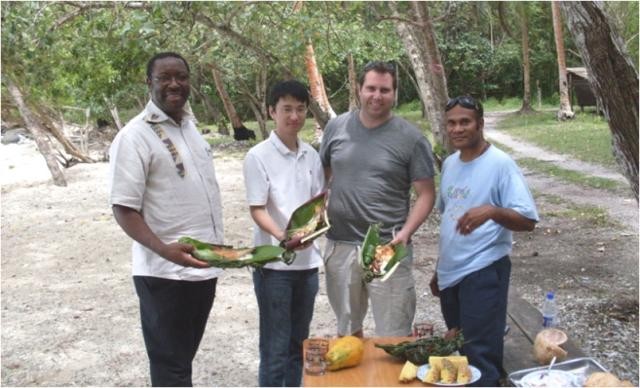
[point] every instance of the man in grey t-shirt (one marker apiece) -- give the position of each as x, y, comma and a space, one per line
372, 159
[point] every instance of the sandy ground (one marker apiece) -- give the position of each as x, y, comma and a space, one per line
70, 313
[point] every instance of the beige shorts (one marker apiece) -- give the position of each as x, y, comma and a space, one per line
393, 302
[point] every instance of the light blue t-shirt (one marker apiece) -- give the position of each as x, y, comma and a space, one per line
492, 178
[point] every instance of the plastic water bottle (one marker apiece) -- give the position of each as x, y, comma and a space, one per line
549, 311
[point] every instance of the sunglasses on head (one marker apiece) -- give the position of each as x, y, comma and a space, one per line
465, 102
388, 66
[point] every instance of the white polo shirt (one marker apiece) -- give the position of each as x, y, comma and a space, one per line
282, 180
143, 176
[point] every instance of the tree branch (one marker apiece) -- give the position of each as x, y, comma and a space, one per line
502, 15
445, 14
400, 19
81, 8
227, 31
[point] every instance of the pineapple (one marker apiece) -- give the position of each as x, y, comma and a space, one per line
408, 373
449, 374
433, 376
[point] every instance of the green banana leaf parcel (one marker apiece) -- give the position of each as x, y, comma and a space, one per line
368, 252
308, 222
225, 256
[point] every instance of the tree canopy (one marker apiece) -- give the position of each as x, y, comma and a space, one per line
81, 53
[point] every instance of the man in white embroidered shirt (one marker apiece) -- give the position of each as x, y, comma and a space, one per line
162, 186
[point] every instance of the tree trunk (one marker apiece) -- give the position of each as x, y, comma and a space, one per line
261, 92
140, 102
262, 121
218, 118
316, 86
526, 63
68, 146
226, 100
614, 79
321, 117
565, 111
420, 44
354, 102
39, 134
437, 78
114, 112
197, 95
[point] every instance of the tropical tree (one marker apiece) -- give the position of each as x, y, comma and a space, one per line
417, 34
614, 79
565, 111
522, 10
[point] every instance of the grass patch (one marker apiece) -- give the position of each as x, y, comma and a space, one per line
586, 137
493, 104
592, 214
572, 176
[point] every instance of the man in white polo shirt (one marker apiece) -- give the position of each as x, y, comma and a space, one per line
281, 173
163, 186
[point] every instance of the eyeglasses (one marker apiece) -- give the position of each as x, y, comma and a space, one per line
166, 79
301, 111
465, 102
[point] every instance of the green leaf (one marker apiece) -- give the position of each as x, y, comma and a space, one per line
255, 257
368, 251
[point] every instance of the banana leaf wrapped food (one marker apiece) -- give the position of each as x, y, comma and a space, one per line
378, 259
225, 256
308, 222
419, 351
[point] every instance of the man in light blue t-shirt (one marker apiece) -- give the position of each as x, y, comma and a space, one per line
483, 198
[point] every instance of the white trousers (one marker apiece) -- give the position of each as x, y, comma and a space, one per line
393, 302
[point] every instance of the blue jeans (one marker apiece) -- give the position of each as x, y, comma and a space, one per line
478, 306
285, 301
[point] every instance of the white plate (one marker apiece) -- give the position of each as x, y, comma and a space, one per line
475, 376
555, 378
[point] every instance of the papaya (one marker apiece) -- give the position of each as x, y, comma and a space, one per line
344, 352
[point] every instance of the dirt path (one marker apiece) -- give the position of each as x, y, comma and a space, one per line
624, 210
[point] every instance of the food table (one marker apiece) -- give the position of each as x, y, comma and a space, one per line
376, 369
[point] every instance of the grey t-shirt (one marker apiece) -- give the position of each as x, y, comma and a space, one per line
372, 170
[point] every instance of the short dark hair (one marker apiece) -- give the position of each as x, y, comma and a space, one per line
167, 54
291, 88
465, 102
379, 67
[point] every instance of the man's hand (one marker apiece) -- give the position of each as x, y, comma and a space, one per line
433, 285
181, 254
401, 237
451, 333
474, 218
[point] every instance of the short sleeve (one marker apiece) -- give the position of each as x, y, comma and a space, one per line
421, 163
515, 194
325, 145
318, 175
128, 169
256, 181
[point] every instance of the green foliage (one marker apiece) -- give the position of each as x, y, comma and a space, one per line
514, 103
72, 54
408, 107
624, 15
586, 137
